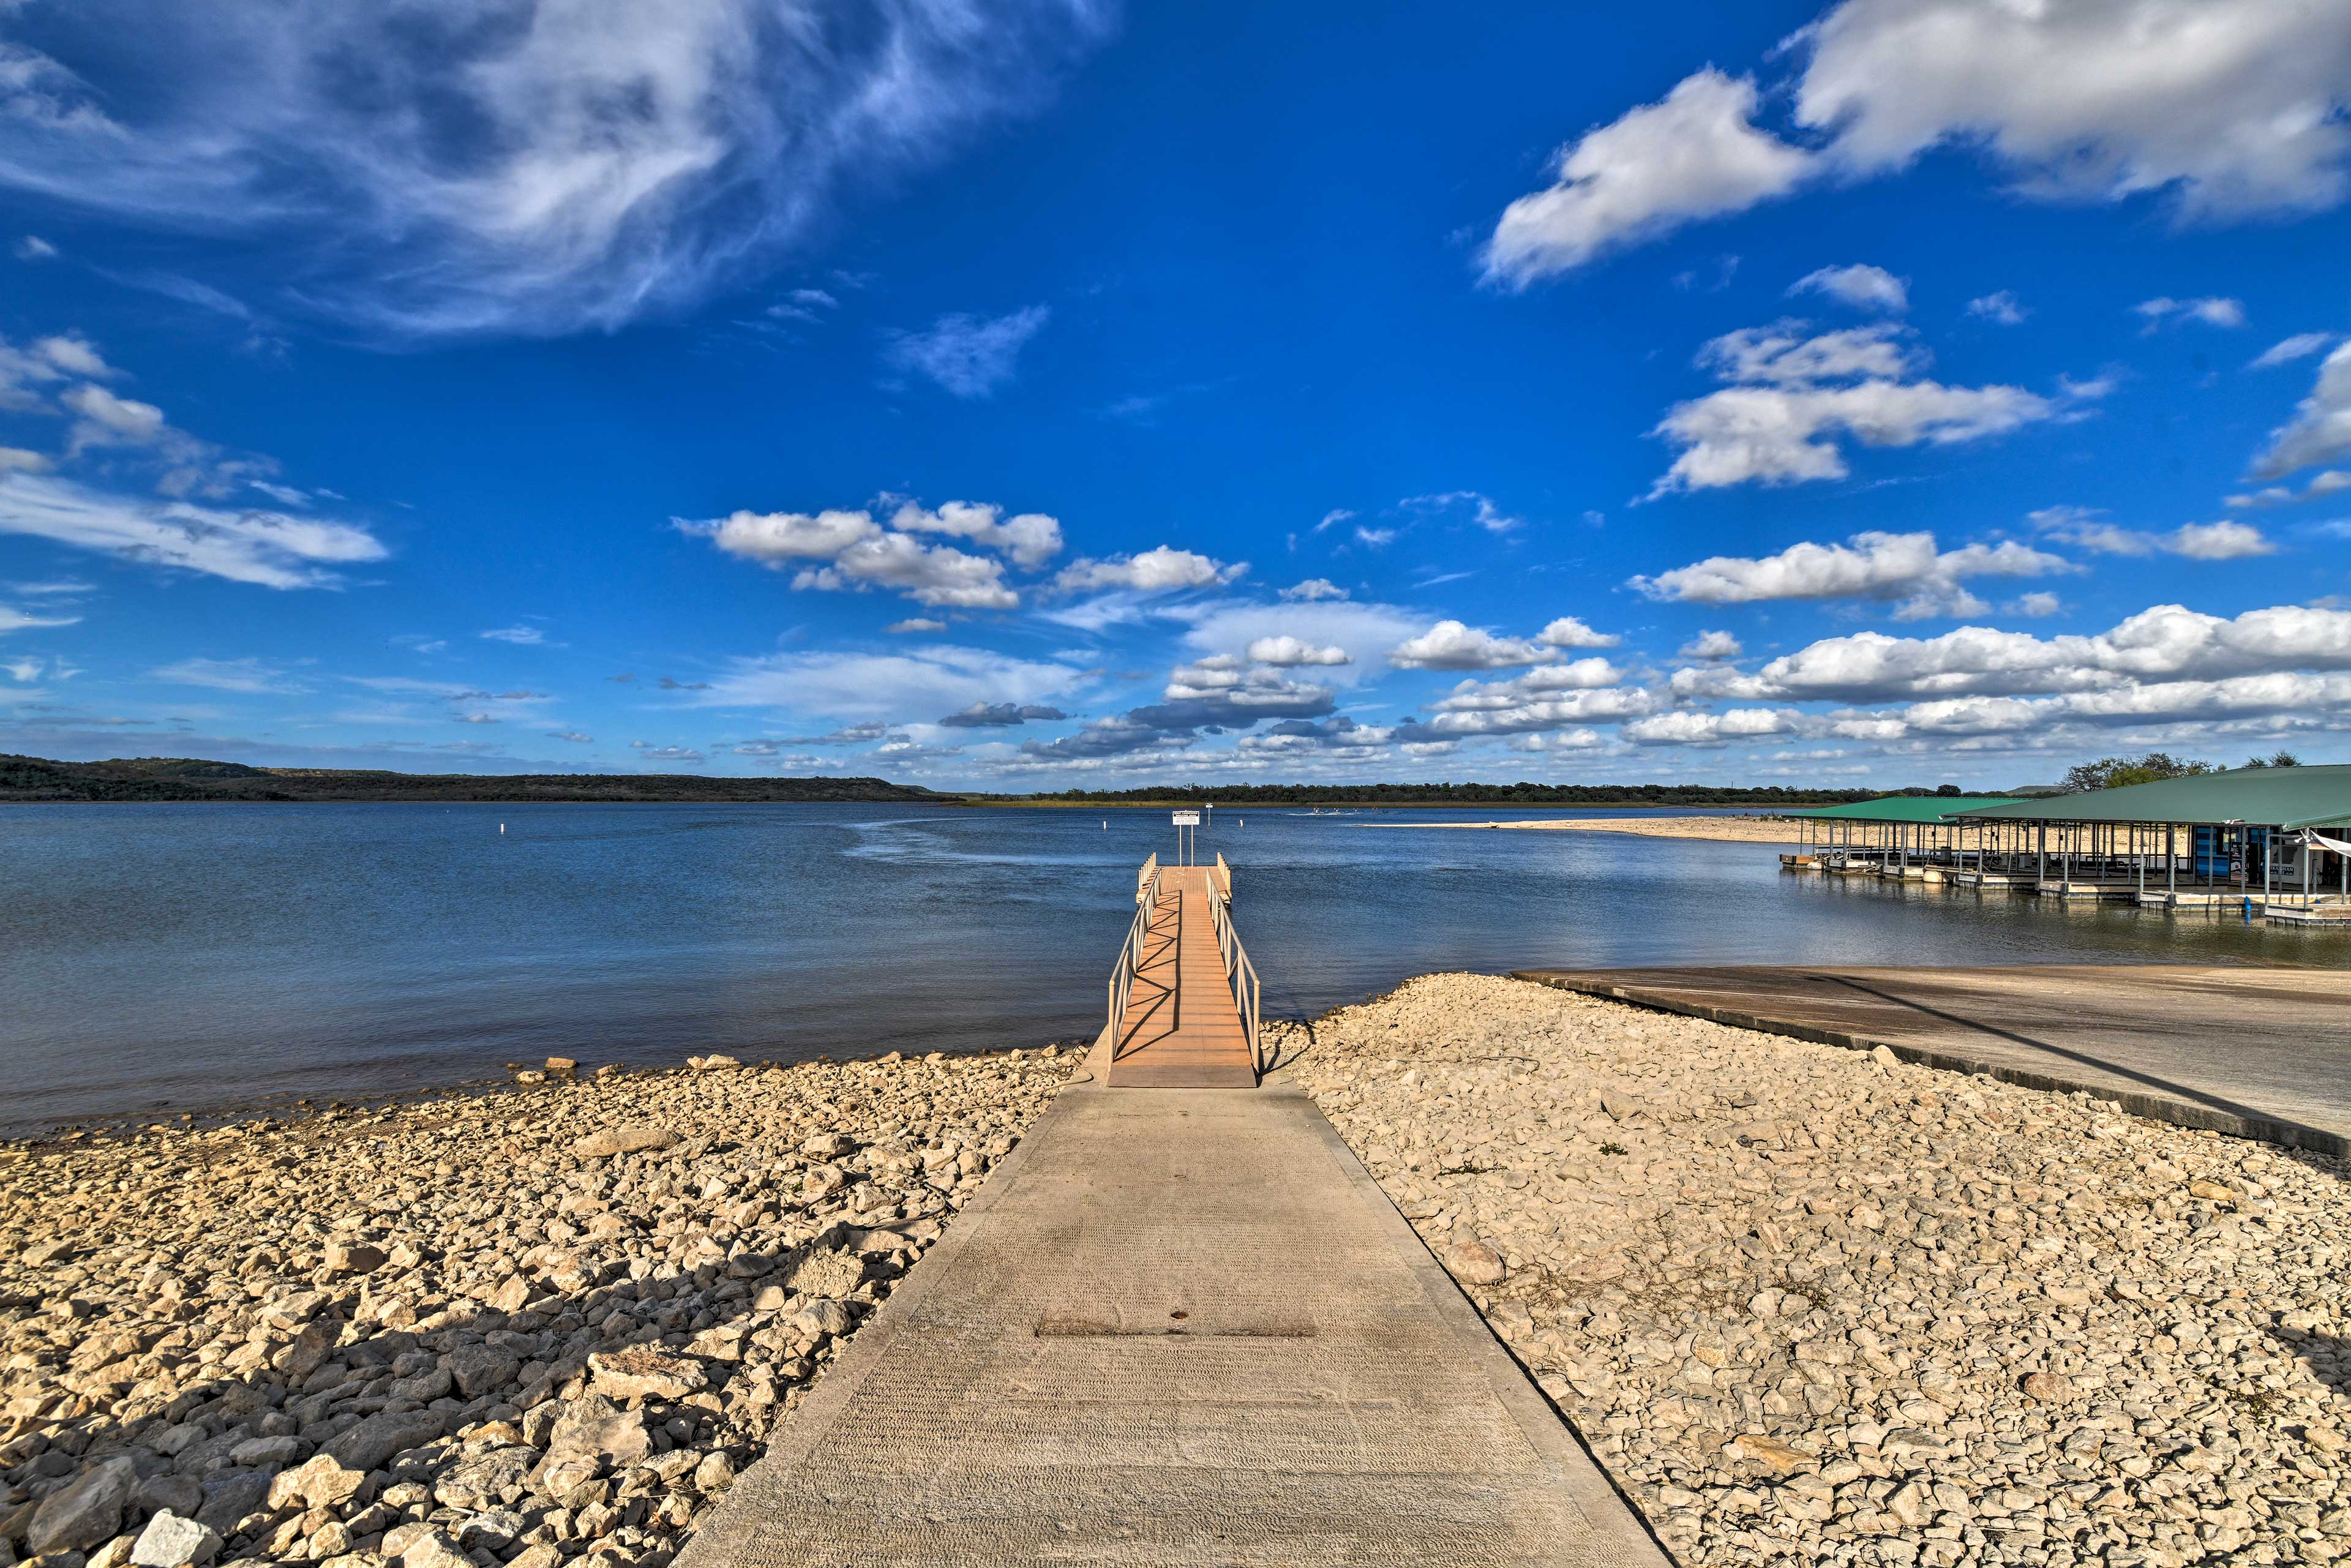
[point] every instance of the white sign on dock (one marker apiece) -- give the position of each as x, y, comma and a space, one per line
1188, 818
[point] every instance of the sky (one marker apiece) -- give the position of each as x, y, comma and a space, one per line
1036, 394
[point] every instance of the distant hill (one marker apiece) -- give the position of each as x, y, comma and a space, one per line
28, 779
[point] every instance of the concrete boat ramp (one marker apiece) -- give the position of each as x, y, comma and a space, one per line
1177, 1325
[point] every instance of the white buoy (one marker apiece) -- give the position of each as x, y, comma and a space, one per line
502, 830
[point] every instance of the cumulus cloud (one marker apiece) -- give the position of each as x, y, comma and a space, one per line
2085, 528
27, 373
436, 168
2324, 483
841, 549
2168, 643
1314, 588
1000, 715
2209, 312
1285, 651
2227, 111
1451, 646
1861, 286
1164, 570
2320, 431
1553, 698
1712, 645
1695, 154
2002, 309
1233, 629
1029, 540
1907, 568
653, 753
270, 549
968, 356
914, 624
1213, 695
1794, 396
1570, 632
1708, 729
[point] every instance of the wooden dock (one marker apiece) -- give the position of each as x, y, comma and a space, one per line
1181, 1028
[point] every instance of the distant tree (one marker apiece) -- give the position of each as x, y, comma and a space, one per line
2115, 772
1947, 789
2275, 759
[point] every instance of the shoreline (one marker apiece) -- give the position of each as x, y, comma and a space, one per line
1803, 1303
1745, 830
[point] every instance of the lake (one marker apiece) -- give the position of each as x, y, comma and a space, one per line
188, 956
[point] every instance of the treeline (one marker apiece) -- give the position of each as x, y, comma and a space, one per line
35, 779
1471, 794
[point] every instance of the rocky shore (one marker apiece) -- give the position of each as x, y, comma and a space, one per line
543, 1325
1814, 1306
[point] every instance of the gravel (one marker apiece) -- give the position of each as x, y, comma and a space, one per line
545, 1325
1810, 1306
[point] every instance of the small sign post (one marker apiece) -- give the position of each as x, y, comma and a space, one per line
1186, 820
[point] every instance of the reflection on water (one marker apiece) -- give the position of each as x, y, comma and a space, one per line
199, 953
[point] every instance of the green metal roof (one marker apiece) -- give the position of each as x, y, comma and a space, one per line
1907, 809
2266, 797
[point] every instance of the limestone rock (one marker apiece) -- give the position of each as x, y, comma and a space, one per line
826, 1272
646, 1372
355, 1258
171, 1542
1469, 1258
629, 1140
377, 1438
320, 1482
86, 1512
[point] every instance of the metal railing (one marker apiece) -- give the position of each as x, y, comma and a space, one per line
1130, 955
1246, 992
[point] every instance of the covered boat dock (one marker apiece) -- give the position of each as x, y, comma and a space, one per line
2273, 842
1917, 838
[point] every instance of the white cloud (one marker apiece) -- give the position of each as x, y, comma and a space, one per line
1697, 154
1527, 706
1706, 729
1861, 286
573, 736
2082, 528
1029, 540
1482, 510
1232, 630
1880, 566
15, 620
2168, 642
2036, 604
1314, 588
968, 356
1451, 646
1712, 645
2285, 350
2320, 431
2210, 312
852, 685
270, 549
1285, 651
432, 169
1569, 632
522, 636
1164, 570
1374, 538
107, 419
2002, 309
2227, 109
1782, 420
226, 676
653, 753
33, 247
16, 459
2324, 483
848, 549
915, 624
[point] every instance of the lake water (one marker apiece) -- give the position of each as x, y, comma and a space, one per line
191, 956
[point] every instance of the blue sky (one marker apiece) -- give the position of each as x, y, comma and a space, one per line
1028, 393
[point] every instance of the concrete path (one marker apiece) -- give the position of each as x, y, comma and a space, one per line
1180, 1326
2262, 1053
1182, 1030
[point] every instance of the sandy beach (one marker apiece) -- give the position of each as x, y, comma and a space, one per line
1737, 830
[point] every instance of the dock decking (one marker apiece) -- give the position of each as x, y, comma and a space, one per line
1181, 1028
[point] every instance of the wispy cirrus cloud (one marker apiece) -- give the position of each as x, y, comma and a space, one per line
444, 168
967, 356
272, 550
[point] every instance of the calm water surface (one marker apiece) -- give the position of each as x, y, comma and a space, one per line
195, 955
